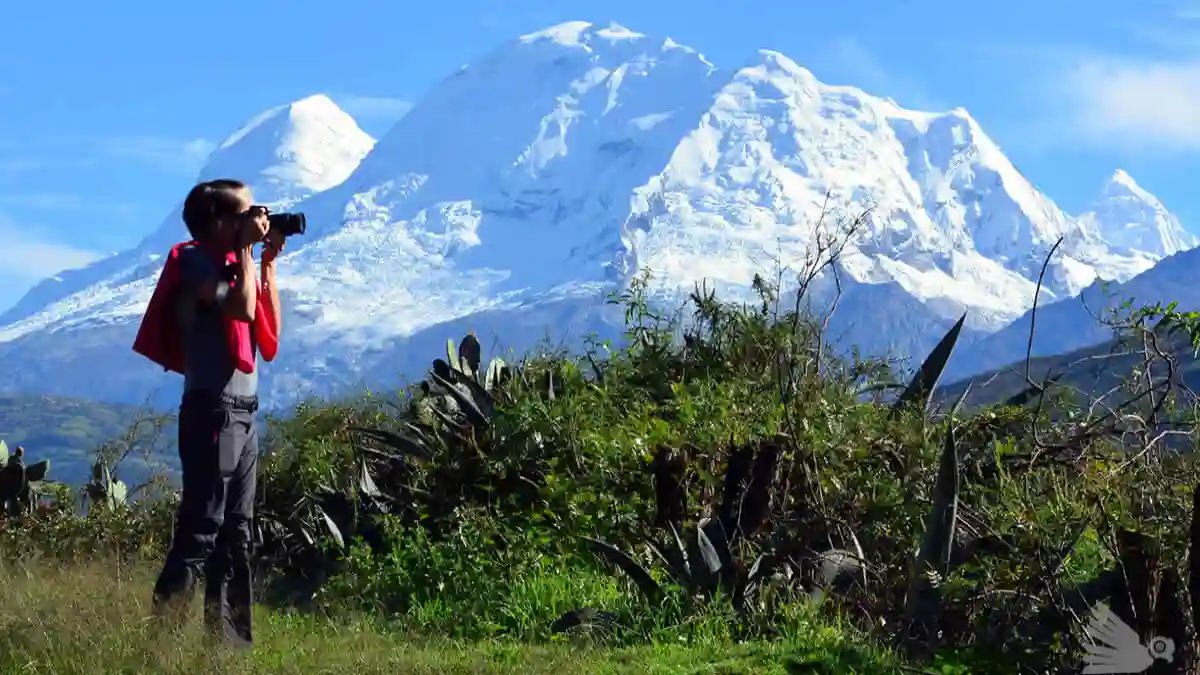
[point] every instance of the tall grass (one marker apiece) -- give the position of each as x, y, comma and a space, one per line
94, 619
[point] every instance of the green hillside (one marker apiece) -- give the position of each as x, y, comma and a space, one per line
1090, 371
66, 431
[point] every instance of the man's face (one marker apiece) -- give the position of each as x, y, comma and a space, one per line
228, 227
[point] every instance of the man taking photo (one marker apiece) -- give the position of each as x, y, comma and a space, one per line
209, 318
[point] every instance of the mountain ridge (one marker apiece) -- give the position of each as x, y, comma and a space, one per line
314, 150
552, 170
1083, 321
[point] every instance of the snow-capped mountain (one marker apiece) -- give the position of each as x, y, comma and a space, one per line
524, 187
1081, 321
73, 331
1133, 221
286, 154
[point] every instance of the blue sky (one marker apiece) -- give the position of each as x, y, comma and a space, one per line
107, 109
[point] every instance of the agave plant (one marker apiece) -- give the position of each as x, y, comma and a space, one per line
19, 483
948, 543
104, 490
456, 396
702, 557
457, 393
456, 403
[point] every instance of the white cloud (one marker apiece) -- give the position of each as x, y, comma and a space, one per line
1133, 103
373, 106
1144, 98
174, 155
31, 255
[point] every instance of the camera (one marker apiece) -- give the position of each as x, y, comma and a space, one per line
287, 224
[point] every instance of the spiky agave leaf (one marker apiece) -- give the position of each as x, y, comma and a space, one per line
834, 568
727, 575
670, 496
927, 376
923, 605
756, 504
939, 531
702, 564
470, 354
38, 470
682, 552
451, 356
366, 483
394, 440
641, 578
497, 373
479, 395
467, 403
583, 617
330, 526
750, 581
708, 552
675, 564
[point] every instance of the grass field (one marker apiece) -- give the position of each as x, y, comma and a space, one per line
93, 619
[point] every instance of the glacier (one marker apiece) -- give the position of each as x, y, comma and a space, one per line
525, 187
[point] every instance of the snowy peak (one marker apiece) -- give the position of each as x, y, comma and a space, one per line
1122, 183
1133, 221
292, 151
285, 154
541, 176
771, 60
941, 194
581, 34
518, 113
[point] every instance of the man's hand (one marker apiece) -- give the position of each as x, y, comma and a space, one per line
270, 327
272, 246
254, 227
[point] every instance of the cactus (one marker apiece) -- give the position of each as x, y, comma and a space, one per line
20, 483
104, 489
466, 359
456, 388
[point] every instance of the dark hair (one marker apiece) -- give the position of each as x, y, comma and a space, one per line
209, 202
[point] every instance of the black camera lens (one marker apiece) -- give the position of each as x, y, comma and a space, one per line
287, 224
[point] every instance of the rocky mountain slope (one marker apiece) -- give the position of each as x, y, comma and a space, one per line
1132, 219
525, 187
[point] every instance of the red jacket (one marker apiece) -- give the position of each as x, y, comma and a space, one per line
159, 339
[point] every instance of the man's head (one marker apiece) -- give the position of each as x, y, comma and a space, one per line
214, 210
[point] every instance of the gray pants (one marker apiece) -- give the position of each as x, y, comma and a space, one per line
218, 451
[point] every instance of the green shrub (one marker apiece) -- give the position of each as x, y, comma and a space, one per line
741, 478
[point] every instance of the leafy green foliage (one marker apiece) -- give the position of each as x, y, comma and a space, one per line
735, 474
